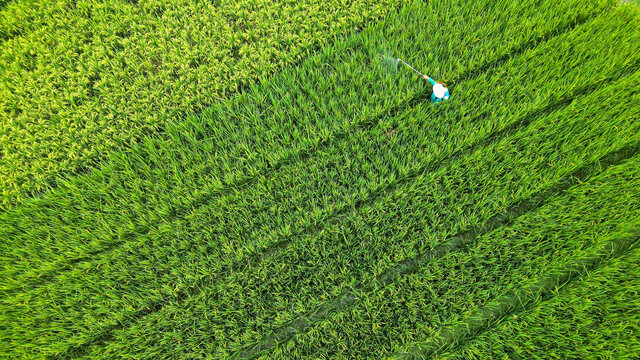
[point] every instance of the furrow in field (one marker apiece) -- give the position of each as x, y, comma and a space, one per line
186, 253
596, 317
225, 316
519, 300
423, 304
156, 179
456, 241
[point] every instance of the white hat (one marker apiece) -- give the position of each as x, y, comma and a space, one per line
439, 90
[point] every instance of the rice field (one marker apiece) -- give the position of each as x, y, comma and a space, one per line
84, 78
249, 180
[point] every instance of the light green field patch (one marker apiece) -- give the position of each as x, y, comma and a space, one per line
80, 79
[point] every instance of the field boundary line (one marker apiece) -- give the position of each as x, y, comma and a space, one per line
302, 154
459, 241
514, 302
334, 218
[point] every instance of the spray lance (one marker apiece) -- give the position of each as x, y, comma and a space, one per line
440, 91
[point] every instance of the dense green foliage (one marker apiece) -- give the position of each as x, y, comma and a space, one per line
204, 158
358, 239
595, 317
420, 304
330, 210
82, 78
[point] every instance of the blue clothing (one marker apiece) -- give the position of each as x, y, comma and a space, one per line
434, 99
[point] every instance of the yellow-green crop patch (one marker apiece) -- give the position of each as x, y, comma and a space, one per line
82, 78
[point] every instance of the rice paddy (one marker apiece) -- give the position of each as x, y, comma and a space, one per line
300, 200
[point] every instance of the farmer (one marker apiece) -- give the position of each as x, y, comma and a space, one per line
440, 91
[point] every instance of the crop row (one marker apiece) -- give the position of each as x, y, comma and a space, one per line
287, 180
420, 305
316, 269
158, 269
595, 317
97, 75
261, 129
413, 219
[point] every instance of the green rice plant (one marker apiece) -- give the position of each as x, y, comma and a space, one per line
419, 305
594, 317
511, 303
178, 254
84, 78
44, 247
491, 178
206, 155
18, 18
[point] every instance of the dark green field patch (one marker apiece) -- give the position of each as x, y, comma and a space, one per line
597, 316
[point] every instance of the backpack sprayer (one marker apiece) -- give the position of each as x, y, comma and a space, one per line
440, 91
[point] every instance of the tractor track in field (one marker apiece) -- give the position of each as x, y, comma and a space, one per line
515, 302
64, 265
107, 335
103, 337
459, 241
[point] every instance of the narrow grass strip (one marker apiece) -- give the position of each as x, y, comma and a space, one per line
595, 317
145, 186
422, 304
522, 299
